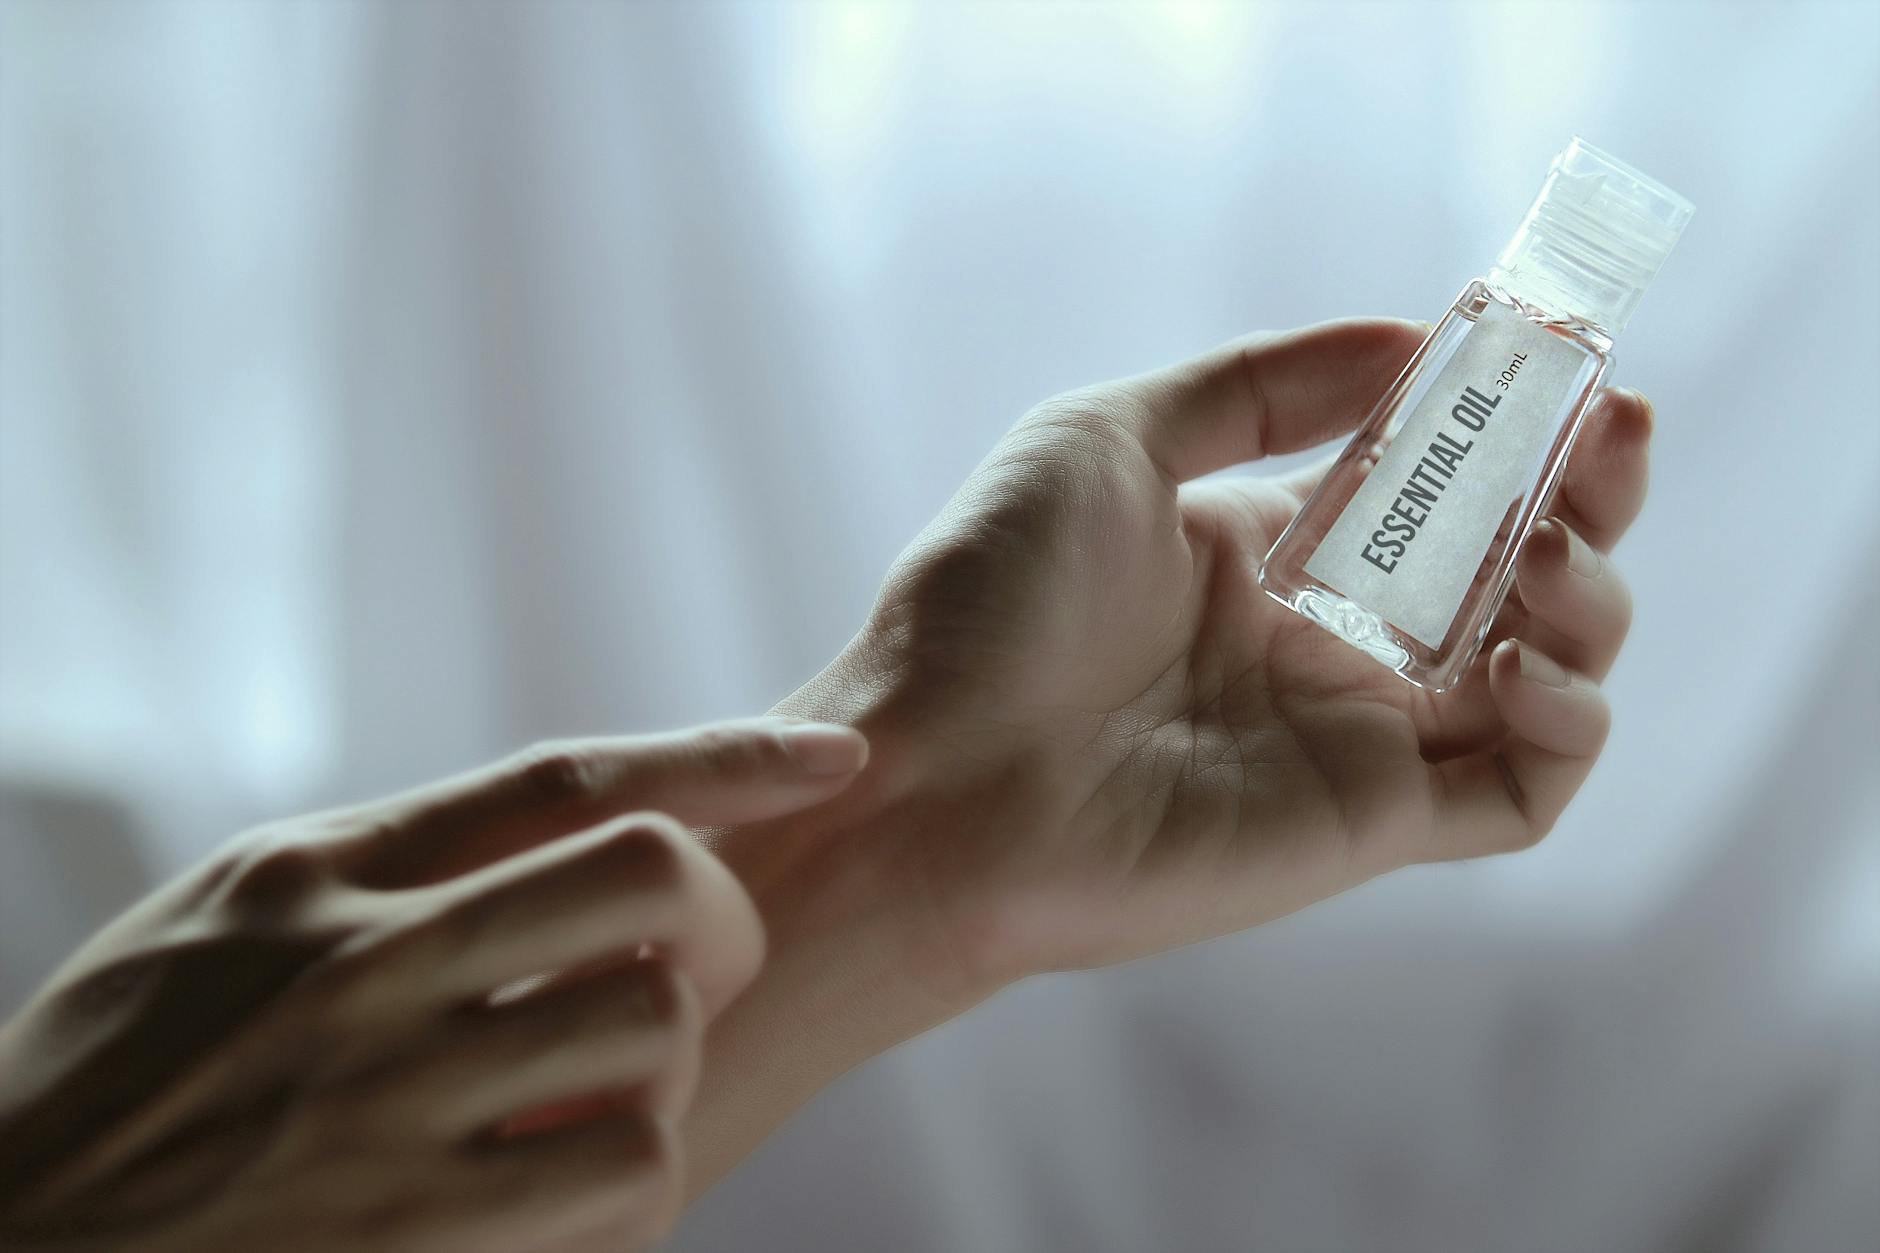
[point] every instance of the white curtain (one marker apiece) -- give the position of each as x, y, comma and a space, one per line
384, 386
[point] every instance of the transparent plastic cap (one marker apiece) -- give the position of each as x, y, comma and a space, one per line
1593, 240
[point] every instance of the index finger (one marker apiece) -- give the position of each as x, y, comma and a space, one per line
593, 897
730, 772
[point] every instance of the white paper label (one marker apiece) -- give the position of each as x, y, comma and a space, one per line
1409, 543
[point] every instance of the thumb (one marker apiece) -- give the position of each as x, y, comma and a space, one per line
1269, 393
727, 772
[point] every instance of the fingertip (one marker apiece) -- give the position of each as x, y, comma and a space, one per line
1545, 703
1628, 415
1504, 676
1396, 334
1547, 545
1537, 667
1555, 546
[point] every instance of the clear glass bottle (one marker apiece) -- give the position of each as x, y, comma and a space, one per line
1408, 547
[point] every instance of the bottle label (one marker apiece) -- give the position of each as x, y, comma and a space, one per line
1411, 541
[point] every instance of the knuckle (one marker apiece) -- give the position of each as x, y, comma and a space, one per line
1621, 605
1085, 418
273, 874
554, 772
642, 852
1079, 409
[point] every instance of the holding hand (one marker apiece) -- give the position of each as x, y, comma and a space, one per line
342, 1032
1140, 748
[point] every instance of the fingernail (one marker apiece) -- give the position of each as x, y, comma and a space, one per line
823, 748
1540, 668
1581, 557
1645, 404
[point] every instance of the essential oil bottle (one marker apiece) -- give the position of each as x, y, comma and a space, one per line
1407, 549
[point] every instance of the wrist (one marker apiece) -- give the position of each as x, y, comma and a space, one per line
860, 951
848, 934
864, 871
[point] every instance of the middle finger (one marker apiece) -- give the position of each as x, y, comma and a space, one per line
616, 1031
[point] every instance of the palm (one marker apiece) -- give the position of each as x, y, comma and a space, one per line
1081, 603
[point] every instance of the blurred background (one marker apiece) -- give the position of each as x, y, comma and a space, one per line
385, 386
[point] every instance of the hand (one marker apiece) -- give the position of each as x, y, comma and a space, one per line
1096, 738
1139, 749
342, 1031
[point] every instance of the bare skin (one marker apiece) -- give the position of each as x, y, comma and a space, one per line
335, 1034
1095, 738
1092, 739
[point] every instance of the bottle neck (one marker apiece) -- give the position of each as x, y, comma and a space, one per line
1544, 307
